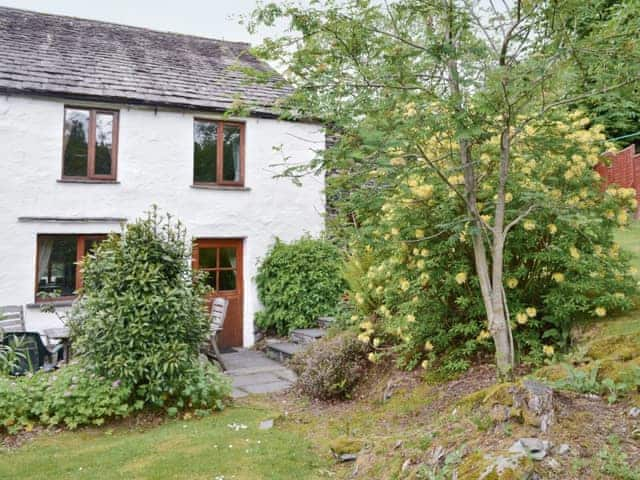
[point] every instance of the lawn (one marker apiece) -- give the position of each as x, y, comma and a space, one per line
629, 239
196, 449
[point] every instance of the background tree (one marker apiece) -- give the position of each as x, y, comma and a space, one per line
450, 72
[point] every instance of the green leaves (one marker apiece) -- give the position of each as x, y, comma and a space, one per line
297, 283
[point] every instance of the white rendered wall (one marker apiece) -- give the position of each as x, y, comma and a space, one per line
155, 166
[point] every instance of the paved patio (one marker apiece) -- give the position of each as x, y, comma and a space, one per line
252, 372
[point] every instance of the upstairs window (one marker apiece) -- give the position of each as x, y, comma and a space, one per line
90, 144
58, 257
218, 153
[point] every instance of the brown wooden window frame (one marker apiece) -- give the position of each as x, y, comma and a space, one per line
81, 239
91, 147
220, 154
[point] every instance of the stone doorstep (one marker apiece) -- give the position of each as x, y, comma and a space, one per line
307, 335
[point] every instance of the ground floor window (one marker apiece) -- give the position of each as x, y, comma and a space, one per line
57, 263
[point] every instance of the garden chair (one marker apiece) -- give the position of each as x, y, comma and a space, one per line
219, 307
11, 319
32, 353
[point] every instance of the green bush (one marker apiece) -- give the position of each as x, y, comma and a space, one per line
298, 282
75, 395
141, 318
71, 396
331, 367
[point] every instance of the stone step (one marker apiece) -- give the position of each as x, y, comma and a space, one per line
307, 335
283, 351
325, 322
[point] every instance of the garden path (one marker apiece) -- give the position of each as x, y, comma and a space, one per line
252, 372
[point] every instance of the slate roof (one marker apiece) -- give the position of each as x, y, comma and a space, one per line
75, 58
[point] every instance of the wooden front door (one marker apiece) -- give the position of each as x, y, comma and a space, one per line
222, 260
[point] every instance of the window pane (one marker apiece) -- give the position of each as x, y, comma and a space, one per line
211, 278
231, 162
228, 258
208, 257
104, 143
76, 142
56, 264
205, 151
227, 280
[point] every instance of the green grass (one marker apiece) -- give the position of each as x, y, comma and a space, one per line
629, 240
194, 449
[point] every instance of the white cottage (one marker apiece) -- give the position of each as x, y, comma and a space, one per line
99, 121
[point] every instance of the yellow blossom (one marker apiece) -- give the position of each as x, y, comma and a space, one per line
558, 277
424, 278
410, 110
422, 191
398, 161
364, 338
531, 312
483, 335
574, 252
552, 228
359, 299
529, 225
404, 285
512, 282
548, 350
372, 357
366, 326
461, 278
410, 318
508, 197
522, 318
424, 252
376, 342
622, 218
419, 233
420, 264
416, 251
600, 311
428, 346
395, 231
424, 364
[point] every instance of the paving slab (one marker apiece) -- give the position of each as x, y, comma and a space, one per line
252, 372
256, 378
267, 387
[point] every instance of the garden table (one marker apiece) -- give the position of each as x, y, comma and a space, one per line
63, 335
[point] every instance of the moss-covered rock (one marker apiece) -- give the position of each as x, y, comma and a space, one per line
346, 445
482, 466
616, 347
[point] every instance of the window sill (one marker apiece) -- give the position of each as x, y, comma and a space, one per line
221, 187
55, 303
86, 180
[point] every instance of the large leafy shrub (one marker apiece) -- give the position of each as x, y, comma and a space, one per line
412, 274
297, 282
331, 367
142, 318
